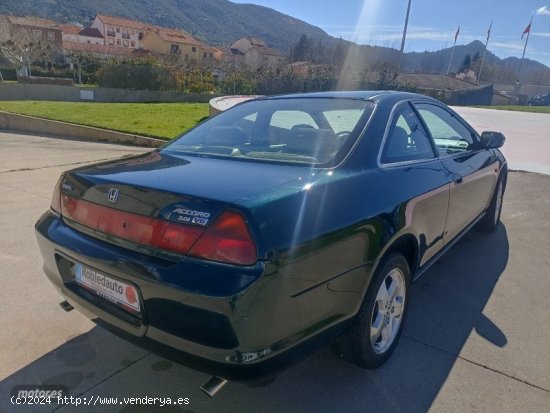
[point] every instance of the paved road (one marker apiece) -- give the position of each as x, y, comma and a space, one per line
476, 338
527, 146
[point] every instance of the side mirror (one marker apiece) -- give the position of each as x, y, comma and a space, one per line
492, 140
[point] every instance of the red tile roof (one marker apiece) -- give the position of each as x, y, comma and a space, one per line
33, 21
97, 48
176, 36
119, 21
70, 29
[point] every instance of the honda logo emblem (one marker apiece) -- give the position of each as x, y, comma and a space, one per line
112, 195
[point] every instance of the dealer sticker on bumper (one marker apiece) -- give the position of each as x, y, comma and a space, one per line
113, 290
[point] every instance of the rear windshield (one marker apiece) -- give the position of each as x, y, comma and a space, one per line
316, 131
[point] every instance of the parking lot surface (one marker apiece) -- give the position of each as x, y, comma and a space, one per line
476, 339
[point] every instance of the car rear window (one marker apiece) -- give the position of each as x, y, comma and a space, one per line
317, 131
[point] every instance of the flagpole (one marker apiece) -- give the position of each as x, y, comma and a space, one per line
524, 49
484, 52
452, 52
405, 28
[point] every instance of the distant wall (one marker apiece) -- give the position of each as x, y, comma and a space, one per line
528, 90
481, 95
23, 91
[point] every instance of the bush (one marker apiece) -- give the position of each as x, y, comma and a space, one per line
8, 73
136, 75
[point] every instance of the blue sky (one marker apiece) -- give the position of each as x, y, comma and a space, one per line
432, 23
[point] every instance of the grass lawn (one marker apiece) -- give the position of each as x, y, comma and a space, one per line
158, 120
517, 108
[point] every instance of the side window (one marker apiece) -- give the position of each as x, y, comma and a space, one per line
449, 134
407, 140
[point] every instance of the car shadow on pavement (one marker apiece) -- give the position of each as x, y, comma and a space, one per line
446, 308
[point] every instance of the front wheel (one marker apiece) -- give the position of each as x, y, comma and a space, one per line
378, 325
491, 219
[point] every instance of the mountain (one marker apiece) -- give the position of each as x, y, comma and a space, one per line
221, 22
214, 21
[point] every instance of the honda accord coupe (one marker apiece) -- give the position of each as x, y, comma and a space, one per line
273, 229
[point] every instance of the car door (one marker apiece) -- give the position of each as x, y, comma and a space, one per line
472, 170
415, 180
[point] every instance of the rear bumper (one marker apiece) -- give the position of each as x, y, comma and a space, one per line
222, 325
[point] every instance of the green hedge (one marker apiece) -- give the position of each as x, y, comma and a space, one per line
136, 76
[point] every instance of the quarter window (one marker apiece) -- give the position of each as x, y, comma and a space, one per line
449, 133
406, 140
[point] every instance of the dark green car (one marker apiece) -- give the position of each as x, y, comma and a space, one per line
273, 229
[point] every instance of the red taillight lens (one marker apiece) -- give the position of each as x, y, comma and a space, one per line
55, 204
226, 240
131, 227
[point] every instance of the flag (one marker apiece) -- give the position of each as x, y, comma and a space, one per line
457, 32
489, 32
527, 30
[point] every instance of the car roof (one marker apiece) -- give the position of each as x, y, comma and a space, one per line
374, 95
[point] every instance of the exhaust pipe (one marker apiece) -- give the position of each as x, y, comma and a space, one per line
213, 386
66, 306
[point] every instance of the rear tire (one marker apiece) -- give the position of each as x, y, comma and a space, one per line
379, 323
490, 221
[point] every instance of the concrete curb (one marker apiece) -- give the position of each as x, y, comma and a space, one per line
25, 123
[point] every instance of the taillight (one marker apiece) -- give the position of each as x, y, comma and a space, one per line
55, 204
143, 230
228, 240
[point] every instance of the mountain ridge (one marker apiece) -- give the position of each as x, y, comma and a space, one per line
221, 22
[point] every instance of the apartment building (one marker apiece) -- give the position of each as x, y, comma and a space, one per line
257, 54
40, 29
121, 32
78, 34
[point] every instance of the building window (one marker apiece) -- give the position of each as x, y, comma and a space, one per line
186, 58
118, 42
193, 49
204, 55
51, 36
175, 48
110, 31
125, 33
36, 34
125, 43
133, 43
118, 29
111, 41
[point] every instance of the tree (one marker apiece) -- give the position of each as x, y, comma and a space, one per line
21, 47
466, 63
81, 59
302, 50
